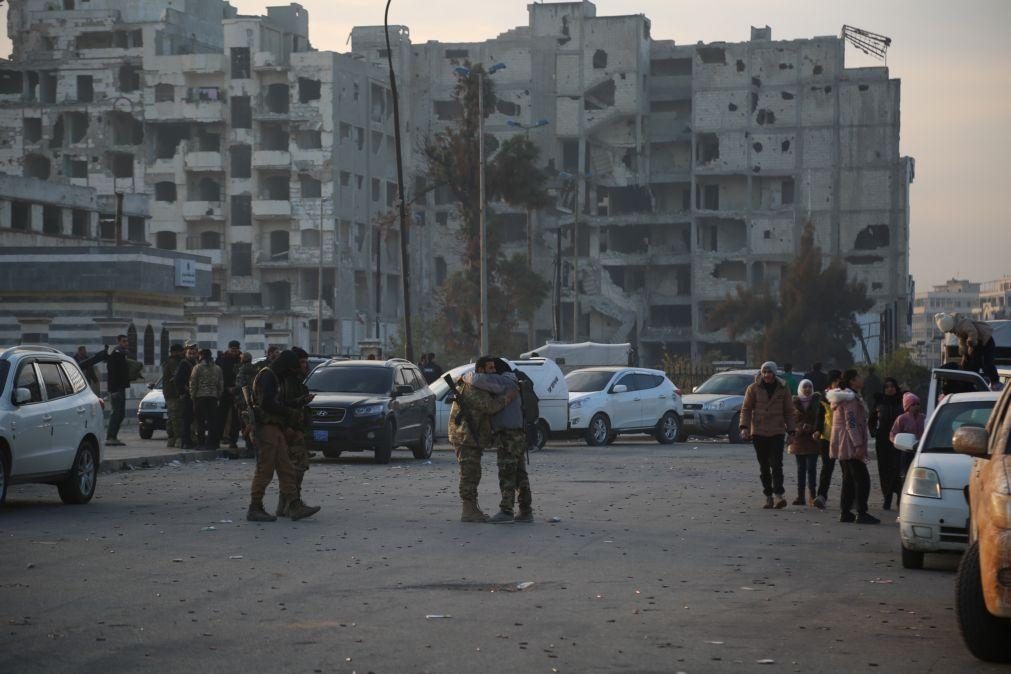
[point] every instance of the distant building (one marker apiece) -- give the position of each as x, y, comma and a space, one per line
955, 296
995, 299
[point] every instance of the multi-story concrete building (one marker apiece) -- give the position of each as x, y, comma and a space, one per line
995, 300
270, 158
696, 166
955, 296
682, 171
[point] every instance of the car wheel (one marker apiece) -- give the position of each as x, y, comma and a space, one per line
911, 559
540, 436
426, 442
667, 429
986, 636
734, 432
332, 453
146, 432
384, 450
79, 486
682, 437
598, 430
612, 438
3, 475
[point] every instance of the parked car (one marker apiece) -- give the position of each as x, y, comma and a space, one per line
933, 513
51, 423
983, 587
549, 385
152, 413
946, 382
607, 401
370, 405
714, 408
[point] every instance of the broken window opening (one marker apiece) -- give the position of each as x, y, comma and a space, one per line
671, 67
240, 63
376, 189
507, 108
786, 188
765, 117
241, 161
11, 82
873, 236
165, 240
309, 139
167, 138
85, 88
210, 240
52, 219
670, 316
241, 211
786, 95
129, 78
308, 90
599, 59
21, 215
165, 191
818, 70
707, 148
100, 39
36, 166
47, 88
731, 270
205, 140
241, 259
242, 112
722, 235
311, 188
279, 245
707, 197
80, 223
274, 137
600, 96
277, 100
205, 189
75, 168
275, 188
712, 55
136, 229
164, 93
32, 129
126, 129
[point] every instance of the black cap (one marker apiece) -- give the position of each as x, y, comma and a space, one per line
234, 344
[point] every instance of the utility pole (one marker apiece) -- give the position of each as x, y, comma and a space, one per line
319, 283
575, 262
483, 225
405, 267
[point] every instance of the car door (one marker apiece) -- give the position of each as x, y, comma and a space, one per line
655, 398
625, 408
31, 424
65, 419
407, 427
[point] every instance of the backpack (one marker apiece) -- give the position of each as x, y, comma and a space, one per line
136, 369
528, 399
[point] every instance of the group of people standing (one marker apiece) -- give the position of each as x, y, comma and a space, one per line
827, 417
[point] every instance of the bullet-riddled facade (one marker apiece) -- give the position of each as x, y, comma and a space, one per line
680, 171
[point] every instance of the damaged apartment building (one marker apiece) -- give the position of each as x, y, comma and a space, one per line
682, 171
270, 158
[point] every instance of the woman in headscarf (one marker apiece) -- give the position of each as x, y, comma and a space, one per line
804, 443
849, 445
887, 408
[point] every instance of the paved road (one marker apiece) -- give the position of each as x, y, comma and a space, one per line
661, 562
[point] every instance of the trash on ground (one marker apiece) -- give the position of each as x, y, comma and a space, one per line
437, 616
235, 557
766, 661
555, 519
882, 581
524, 585
209, 529
715, 643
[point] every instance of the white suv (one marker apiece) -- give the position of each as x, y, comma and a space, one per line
51, 424
607, 401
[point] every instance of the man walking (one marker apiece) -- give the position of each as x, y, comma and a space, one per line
206, 386
294, 394
766, 416
229, 362
274, 421
168, 388
117, 372
470, 434
510, 439
182, 382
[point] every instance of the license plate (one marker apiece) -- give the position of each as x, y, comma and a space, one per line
321, 436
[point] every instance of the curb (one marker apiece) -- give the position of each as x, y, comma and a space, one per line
116, 465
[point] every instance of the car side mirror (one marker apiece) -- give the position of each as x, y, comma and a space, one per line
619, 388
695, 389
403, 390
905, 442
972, 441
22, 396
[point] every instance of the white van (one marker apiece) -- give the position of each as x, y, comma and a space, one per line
549, 385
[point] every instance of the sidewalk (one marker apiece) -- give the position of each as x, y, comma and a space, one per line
139, 453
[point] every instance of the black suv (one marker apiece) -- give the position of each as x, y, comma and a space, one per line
363, 405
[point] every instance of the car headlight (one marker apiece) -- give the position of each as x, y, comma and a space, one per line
715, 405
1000, 502
575, 404
923, 482
369, 410
148, 406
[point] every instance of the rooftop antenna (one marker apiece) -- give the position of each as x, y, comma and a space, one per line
866, 41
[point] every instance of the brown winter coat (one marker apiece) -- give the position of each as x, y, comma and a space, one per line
764, 415
807, 422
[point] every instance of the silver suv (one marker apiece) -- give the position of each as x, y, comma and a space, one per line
51, 423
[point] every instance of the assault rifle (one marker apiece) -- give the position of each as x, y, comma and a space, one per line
464, 412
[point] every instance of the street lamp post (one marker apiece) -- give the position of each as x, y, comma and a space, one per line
530, 223
579, 178
319, 283
482, 219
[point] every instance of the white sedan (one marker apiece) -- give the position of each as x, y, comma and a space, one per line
607, 401
933, 513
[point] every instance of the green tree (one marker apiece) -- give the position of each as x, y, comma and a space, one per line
812, 319
512, 176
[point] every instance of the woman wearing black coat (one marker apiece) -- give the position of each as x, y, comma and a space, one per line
887, 408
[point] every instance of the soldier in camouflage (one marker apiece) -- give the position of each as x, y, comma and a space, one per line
174, 426
295, 394
470, 433
510, 440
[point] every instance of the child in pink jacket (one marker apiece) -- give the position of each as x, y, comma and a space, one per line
910, 421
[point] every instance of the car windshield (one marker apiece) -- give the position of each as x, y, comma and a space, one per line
375, 380
726, 384
586, 381
949, 418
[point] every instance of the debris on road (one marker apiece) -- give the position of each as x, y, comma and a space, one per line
438, 616
524, 585
236, 557
555, 519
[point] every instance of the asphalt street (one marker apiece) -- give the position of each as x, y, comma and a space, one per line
661, 560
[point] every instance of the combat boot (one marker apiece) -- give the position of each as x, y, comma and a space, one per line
298, 510
282, 507
471, 513
502, 517
256, 513
524, 516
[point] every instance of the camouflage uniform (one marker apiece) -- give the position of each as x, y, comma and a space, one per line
272, 455
174, 425
293, 392
481, 407
513, 480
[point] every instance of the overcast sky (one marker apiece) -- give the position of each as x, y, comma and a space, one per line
954, 60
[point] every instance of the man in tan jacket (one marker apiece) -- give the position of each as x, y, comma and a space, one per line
766, 416
206, 385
